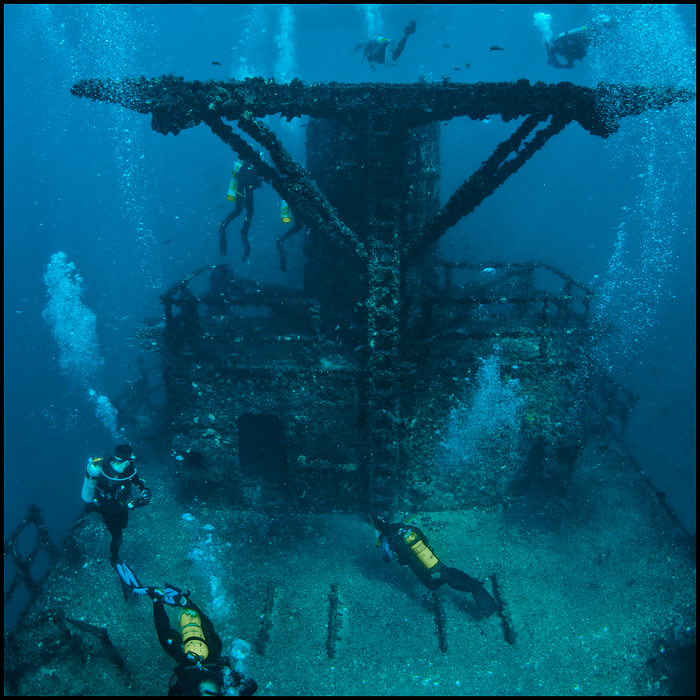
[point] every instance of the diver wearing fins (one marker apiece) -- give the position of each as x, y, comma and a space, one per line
379, 50
196, 647
107, 490
574, 44
411, 548
244, 180
286, 218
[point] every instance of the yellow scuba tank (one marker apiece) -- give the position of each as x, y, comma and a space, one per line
193, 634
420, 549
89, 487
285, 216
232, 192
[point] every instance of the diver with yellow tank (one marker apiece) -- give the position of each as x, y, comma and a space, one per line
411, 547
195, 645
201, 669
244, 180
286, 215
380, 51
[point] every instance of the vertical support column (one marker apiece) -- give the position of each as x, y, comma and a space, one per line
387, 190
384, 182
382, 375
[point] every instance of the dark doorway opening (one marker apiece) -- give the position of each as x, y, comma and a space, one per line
262, 449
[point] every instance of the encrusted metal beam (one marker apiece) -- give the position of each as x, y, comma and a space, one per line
177, 104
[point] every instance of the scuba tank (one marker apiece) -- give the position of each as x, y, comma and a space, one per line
232, 192
420, 549
192, 634
389, 53
89, 487
285, 216
578, 30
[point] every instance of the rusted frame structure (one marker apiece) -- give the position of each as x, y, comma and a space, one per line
380, 245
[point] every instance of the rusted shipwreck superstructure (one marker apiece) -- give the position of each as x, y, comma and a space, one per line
338, 397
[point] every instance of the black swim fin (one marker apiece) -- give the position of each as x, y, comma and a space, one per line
79, 522
483, 599
82, 518
174, 596
460, 581
130, 584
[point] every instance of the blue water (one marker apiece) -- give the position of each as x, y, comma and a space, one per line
134, 210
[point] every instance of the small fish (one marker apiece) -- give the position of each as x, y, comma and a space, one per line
446, 46
468, 65
458, 69
496, 48
215, 63
167, 241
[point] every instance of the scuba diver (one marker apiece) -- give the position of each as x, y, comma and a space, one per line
380, 50
196, 647
107, 490
411, 548
244, 180
286, 218
574, 44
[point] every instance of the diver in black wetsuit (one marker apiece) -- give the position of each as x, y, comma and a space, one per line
574, 44
243, 181
299, 224
196, 647
411, 548
201, 669
380, 50
107, 490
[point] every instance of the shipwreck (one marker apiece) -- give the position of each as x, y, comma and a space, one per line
276, 419
337, 398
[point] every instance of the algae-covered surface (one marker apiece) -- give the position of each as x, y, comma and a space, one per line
590, 588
